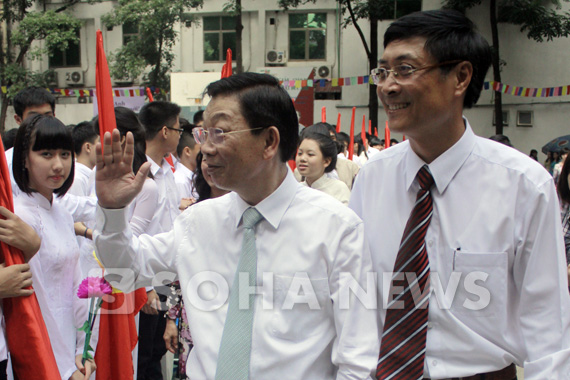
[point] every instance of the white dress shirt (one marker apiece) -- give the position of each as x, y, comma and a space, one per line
333, 187
56, 276
83, 181
183, 178
303, 232
495, 220
167, 208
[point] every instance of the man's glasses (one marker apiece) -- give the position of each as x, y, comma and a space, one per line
216, 134
179, 130
403, 73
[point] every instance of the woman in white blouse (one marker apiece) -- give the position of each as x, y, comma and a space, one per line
43, 166
317, 155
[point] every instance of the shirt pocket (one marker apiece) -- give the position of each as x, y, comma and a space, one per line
482, 286
302, 307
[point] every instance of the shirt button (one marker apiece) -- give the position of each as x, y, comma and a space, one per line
430, 243
430, 325
434, 363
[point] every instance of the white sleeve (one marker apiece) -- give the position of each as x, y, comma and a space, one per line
132, 258
82, 209
540, 274
144, 207
356, 346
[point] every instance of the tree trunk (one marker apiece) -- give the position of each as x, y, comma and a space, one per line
496, 68
373, 62
239, 29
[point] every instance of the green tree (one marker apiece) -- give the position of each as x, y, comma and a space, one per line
539, 19
55, 28
155, 21
355, 10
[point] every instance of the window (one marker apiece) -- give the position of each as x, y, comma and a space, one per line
67, 58
398, 8
130, 31
307, 36
219, 36
524, 118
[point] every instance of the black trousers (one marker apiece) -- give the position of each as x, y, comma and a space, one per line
3, 365
151, 346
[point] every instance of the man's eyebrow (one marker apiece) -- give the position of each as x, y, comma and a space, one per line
218, 116
401, 57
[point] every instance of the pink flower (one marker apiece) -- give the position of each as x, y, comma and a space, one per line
94, 287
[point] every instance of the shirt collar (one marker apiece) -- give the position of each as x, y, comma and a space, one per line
273, 207
444, 167
37, 198
154, 167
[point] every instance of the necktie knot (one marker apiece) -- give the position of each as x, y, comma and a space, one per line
425, 178
251, 217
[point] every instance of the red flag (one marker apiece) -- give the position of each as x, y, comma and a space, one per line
227, 68
324, 114
170, 162
386, 136
351, 144
118, 335
363, 132
370, 127
149, 95
105, 104
376, 132
26, 332
338, 123
292, 164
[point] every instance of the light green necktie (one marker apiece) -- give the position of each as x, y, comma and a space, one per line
235, 348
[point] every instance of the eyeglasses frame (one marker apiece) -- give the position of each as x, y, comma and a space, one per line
376, 78
221, 134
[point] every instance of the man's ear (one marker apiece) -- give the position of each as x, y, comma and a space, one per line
272, 139
187, 151
464, 74
18, 119
87, 147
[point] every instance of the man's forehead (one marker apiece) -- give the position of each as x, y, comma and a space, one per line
403, 49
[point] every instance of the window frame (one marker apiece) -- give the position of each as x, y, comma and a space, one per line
220, 32
63, 53
307, 31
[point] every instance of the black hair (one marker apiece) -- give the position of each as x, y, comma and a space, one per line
32, 96
263, 103
156, 115
450, 36
374, 141
9, 137
186, 139
320, 128
198, 117
127, 121
563, 186
199, 183
327, 147
82, 133
343, 137
501, 139
46, 132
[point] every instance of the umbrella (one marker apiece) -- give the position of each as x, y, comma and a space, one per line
557, 145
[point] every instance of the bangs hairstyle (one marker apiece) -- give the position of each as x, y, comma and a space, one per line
45, 132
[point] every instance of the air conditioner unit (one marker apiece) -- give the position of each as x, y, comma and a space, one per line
323, 72
51, 78
74, 78
275, 57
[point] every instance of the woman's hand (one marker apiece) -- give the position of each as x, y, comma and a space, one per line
171, 336
14, 280
17, 233
85, 370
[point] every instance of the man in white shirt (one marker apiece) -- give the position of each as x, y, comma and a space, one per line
310, 252
84, 140
495, 255
162, 129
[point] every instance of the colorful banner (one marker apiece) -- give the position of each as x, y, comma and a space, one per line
545, 92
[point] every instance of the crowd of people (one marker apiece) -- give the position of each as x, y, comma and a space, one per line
440, 257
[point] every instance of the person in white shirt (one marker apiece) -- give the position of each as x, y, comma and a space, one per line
84, 140
304, 240
316, 156
187, 151
499, 292
162, 128
43, 168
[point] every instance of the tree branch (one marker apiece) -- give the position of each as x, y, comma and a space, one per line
362, 38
